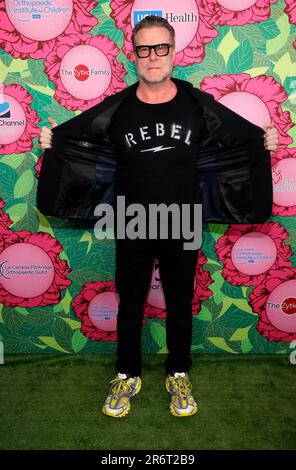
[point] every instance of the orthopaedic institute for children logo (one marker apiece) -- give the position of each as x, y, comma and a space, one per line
85, 72
12, 119
183, 16
40, 20
26, 270
235, 5
284, 182
254, 253
281, 307
103, 309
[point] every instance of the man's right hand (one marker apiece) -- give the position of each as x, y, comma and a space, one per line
45, 135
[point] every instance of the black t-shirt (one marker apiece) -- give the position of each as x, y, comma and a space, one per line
157, 147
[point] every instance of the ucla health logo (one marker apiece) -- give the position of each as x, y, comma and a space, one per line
5, 110
140, 14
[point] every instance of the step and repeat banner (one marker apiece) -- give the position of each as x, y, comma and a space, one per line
61, 57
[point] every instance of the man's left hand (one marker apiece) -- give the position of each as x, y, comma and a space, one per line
271, 137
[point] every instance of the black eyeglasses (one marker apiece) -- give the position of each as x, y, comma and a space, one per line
160, 50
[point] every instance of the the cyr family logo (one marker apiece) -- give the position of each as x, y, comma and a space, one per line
138, 15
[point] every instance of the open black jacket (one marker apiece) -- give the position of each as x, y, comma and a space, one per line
233, 167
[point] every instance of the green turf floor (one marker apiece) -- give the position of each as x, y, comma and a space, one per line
54, 402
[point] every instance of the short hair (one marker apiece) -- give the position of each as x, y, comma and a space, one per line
153, 20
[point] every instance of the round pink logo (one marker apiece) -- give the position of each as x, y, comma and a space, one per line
183, 16
281, 307
289, 305
103, 310
155, 295
40, 20
12, 119
248, 106
254, 253
235, 5
26, 270
85, 72
284, 182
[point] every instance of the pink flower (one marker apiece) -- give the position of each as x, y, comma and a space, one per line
291, 10
20, 46
279, 156
225, 245
192, 53
201, 291
226, 12
258, 302
23, 100
52, 248
81, 309
58, 52
202, 281
37, 167
264, 88
283, 153
5, 220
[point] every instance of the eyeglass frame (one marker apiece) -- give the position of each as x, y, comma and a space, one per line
154, 48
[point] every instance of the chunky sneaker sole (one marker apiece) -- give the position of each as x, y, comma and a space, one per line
117, 404
182, 404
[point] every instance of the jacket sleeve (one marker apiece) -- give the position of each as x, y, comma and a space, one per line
78, 171
234, 168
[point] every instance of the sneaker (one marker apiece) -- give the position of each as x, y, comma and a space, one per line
123, 387
182, 401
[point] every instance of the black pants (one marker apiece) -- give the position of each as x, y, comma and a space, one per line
134, 262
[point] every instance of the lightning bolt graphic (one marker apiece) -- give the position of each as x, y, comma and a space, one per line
157, 149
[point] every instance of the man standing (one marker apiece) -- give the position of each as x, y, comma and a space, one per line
157, 130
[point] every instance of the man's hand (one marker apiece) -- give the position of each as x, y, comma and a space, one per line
271, 137
45, 135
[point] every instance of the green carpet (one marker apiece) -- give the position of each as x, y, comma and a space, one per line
54, 402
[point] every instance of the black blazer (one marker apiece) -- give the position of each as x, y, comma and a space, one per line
233, 167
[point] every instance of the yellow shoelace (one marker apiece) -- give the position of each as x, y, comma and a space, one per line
119, 385
182, 385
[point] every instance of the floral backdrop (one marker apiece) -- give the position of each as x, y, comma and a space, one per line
59, 58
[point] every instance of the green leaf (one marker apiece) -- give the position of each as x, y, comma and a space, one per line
12, 319
221, 344
63, 333
213, 62
36, 69
22, 311
197, 347
44, 225
78, 341
64, 305
14, 160
205, 314
52, 343
24, 184
246, 345
277, 43
240, 334
74, 324
17, 212
234, 292
268, 29
158, 334
242, 58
